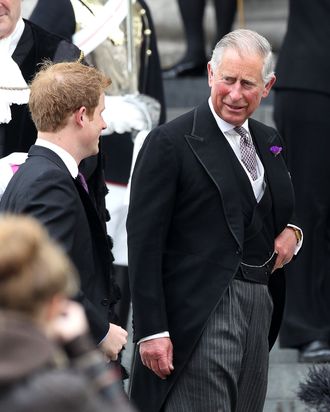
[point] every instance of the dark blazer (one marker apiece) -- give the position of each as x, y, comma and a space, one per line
44, 188
185, 235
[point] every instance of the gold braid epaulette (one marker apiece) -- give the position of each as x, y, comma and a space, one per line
81, 57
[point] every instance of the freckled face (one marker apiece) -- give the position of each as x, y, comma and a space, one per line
10, 12
237, 86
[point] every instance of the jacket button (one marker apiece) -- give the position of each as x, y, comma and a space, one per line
238, 251
105, 302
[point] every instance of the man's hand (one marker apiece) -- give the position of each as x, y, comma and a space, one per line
285, 245
157, 355
114, 341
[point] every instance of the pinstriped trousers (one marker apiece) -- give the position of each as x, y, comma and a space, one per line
228, 369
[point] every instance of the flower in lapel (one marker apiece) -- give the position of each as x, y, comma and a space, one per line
276, 150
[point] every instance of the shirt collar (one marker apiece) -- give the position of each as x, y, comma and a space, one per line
68, 160
16, 35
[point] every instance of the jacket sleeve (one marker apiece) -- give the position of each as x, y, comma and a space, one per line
55, 205
154, 185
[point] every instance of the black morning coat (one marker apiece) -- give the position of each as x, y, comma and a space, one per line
185, 236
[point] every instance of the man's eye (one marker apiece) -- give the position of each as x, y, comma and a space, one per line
247, 85
228, 80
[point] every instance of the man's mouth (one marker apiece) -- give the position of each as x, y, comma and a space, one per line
235, 107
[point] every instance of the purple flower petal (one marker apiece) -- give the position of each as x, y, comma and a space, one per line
276, 150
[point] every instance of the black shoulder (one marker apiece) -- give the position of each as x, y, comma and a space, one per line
53, 47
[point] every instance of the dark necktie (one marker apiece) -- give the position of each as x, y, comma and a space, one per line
81, 179
248, 151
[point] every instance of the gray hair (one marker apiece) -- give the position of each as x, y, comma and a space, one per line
245, 42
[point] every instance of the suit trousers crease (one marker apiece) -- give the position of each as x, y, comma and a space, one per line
228, 369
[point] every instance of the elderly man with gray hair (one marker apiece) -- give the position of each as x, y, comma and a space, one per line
208, 236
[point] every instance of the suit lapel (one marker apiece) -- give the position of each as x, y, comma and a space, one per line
24, 46
211, 149
276, 172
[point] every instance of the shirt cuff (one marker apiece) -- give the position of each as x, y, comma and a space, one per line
155, 336
299, 244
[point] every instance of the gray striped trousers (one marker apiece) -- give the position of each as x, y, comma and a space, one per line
228, 369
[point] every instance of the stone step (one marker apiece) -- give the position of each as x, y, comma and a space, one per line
279, 355
284, 405
284, 378
283, 382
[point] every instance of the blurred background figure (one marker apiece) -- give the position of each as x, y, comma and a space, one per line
23, 46
47, 358
55, 16
301, 112
194, 61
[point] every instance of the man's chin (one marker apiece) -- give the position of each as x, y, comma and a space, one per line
235, 120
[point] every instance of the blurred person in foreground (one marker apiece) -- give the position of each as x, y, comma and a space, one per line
210, 227
48, 361
23, 46
66, 104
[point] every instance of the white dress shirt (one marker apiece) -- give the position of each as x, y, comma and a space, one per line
67, 159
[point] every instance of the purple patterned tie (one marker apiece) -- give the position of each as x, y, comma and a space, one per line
248, 151
82, 181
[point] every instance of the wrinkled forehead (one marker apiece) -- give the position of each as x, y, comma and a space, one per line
242, 63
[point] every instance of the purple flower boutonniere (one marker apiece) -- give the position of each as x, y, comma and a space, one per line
276, 150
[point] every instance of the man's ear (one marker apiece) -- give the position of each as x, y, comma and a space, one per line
268, 86
79, 116
210, 74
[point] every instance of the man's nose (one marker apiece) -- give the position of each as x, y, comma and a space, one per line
236, 91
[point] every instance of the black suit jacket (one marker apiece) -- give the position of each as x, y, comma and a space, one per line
44, 188
185, 235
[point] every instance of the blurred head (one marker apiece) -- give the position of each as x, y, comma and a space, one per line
33, 269
59, 90
240, 74
10, 12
